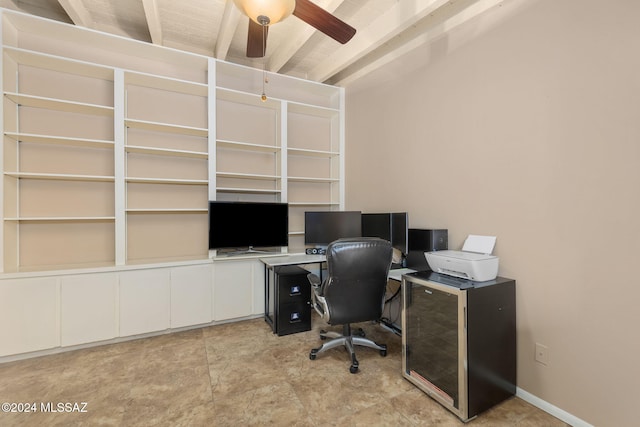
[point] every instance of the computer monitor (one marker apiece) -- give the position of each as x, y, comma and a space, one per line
248, 225
425, 240
323, 227
389, 226
376, 225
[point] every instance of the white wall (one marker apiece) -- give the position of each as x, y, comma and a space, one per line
525, 124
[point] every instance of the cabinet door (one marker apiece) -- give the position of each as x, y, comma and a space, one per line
88, 308
191, 295
28, 315
431, 334
144, 301
234, 285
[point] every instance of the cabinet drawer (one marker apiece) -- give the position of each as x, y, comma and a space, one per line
292, 285
294, 290
293, 317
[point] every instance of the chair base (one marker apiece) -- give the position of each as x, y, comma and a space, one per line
348, 340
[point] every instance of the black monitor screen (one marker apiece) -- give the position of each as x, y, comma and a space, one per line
400, 231
245, 224
376, 225
322, 228
389, 226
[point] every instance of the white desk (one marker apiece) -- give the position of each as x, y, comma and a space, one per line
296, 259
301, 259
398, 272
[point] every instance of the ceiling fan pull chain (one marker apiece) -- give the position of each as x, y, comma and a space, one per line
263, 97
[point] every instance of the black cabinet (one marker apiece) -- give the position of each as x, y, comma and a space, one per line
288, 300
459, 340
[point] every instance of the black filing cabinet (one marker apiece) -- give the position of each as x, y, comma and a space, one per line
459, 340
288, 300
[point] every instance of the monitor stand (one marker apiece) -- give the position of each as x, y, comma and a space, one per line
250, 250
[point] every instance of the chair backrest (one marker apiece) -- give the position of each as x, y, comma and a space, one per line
357, 279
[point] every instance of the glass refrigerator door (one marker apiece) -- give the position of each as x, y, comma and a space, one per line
433, 336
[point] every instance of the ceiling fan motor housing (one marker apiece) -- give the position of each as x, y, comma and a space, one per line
263, 13
266, 12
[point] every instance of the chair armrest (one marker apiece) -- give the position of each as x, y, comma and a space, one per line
318, 302
314, 280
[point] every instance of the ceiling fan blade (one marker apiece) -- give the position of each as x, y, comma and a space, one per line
256, 40
323, 21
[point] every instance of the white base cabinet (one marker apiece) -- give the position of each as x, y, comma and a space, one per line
191, 295
239, 290
70, 309
30, 321
88, 308
145, 302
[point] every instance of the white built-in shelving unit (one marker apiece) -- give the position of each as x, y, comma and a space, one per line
166, 145
56, 142
112, 149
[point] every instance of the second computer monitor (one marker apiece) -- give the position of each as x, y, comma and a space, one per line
322, 228
389, 226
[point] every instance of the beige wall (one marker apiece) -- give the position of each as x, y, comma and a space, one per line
526, 127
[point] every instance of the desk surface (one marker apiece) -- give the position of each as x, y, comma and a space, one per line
297, 259
396, 274
293, 260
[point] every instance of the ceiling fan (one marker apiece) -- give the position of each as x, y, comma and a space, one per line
263, 13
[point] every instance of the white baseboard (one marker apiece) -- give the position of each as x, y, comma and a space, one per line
551, 409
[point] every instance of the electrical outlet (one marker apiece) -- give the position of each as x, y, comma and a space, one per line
542, 354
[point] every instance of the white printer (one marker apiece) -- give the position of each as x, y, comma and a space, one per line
473, 262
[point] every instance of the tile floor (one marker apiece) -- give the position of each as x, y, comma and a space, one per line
236, 374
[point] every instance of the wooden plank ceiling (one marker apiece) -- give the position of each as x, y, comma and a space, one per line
385, 30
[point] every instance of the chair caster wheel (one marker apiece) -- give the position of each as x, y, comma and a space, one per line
354, 364
322, 336
360, 333
383, 352
313, 354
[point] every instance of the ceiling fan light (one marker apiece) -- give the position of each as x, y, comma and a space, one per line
275, 10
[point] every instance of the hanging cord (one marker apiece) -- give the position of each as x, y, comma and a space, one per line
263, 97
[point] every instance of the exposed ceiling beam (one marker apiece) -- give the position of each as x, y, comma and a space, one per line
228, 25
286, 50
420, 34
52, 11
153, 20
77, 12
396, 20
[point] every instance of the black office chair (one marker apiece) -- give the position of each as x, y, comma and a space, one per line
353, 291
